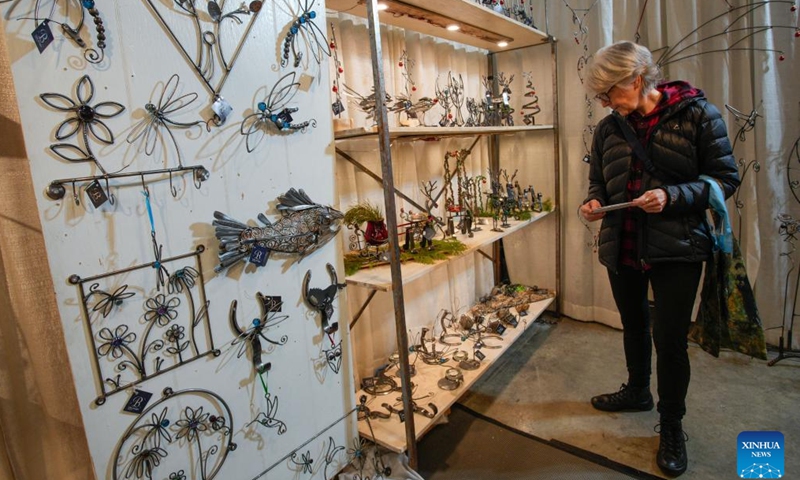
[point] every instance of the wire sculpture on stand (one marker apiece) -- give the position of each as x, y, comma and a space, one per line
272, 113
171, 439
746, 124
43, 35
789, 229
209, 53
403, 101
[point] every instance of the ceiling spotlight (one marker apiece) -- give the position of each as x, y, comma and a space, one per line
453, 27
382, 6
502, 44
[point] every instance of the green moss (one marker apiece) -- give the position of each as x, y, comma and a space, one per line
547, 205
442, 249
363, 212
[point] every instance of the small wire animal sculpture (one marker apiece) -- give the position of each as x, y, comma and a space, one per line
256, 332
303, 227
86, 120
43, 35
273, 113
445, 99
149, 131
107, 300
367, 104
303, 26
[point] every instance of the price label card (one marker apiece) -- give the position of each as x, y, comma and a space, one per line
258, 256
42, 36
479, 355
96, 194
500, 329
138, 401
273, 303
512, 320
222, 109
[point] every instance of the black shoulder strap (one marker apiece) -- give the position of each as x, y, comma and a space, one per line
635, 144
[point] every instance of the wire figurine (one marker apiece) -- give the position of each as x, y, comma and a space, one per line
532, 107
366, 104
303, 26
272, 113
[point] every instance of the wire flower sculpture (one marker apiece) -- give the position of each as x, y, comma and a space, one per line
151, 130
85, 120
130, 347
272, 113
43, 35
303, 26
330, 455
306, 462
209, 52
173, 439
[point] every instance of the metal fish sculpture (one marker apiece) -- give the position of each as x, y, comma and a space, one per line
304, 226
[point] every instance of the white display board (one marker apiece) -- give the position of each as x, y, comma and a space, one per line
137, 327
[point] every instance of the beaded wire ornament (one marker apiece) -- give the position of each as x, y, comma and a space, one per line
337, 106
43, 36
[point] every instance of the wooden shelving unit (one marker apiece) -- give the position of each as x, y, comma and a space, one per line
379, 278
479, 26
390, 432
416, 133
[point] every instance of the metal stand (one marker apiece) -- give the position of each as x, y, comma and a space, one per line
788, 353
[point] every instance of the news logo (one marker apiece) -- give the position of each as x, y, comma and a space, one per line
760, 455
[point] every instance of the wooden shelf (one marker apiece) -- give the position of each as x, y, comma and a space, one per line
412, 133
380, 278
480, 27
391, 434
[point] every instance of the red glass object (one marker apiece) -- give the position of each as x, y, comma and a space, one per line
376, 232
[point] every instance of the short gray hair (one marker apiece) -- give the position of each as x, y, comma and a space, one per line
621, 61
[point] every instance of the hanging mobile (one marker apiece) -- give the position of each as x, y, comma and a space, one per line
337, 106
273, 112
303, 25
322, 301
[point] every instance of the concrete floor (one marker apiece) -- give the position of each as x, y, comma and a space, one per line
543, 384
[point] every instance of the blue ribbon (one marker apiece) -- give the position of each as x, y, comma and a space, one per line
149, 212
723, 235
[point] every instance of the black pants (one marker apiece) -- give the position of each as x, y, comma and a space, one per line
674, 289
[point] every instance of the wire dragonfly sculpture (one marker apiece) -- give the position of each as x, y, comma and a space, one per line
272, 114
157, 123
304, 29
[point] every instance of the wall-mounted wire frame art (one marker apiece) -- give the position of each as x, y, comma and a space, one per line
186, 434
86, 121
303, 227
273, 114
303, 27
251, 337
72, 26
130, 346
207, 52
321, 300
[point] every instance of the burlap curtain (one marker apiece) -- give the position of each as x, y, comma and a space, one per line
41, 430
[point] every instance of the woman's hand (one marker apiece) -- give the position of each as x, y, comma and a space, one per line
652, 201
587, 209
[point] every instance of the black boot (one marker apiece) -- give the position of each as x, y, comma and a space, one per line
627, 399
671, 456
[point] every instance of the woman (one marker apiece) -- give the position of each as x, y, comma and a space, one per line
663, 239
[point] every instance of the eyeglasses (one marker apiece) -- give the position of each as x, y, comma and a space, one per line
604, 97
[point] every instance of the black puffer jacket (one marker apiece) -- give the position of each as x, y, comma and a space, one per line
690, 140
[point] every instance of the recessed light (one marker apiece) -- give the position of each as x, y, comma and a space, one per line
453, 27
502, 44
382, 6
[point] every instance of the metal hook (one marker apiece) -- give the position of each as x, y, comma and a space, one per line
145, 190
172, 187
75, 195
111, 198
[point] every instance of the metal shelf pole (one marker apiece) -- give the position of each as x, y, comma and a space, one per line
391, 222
